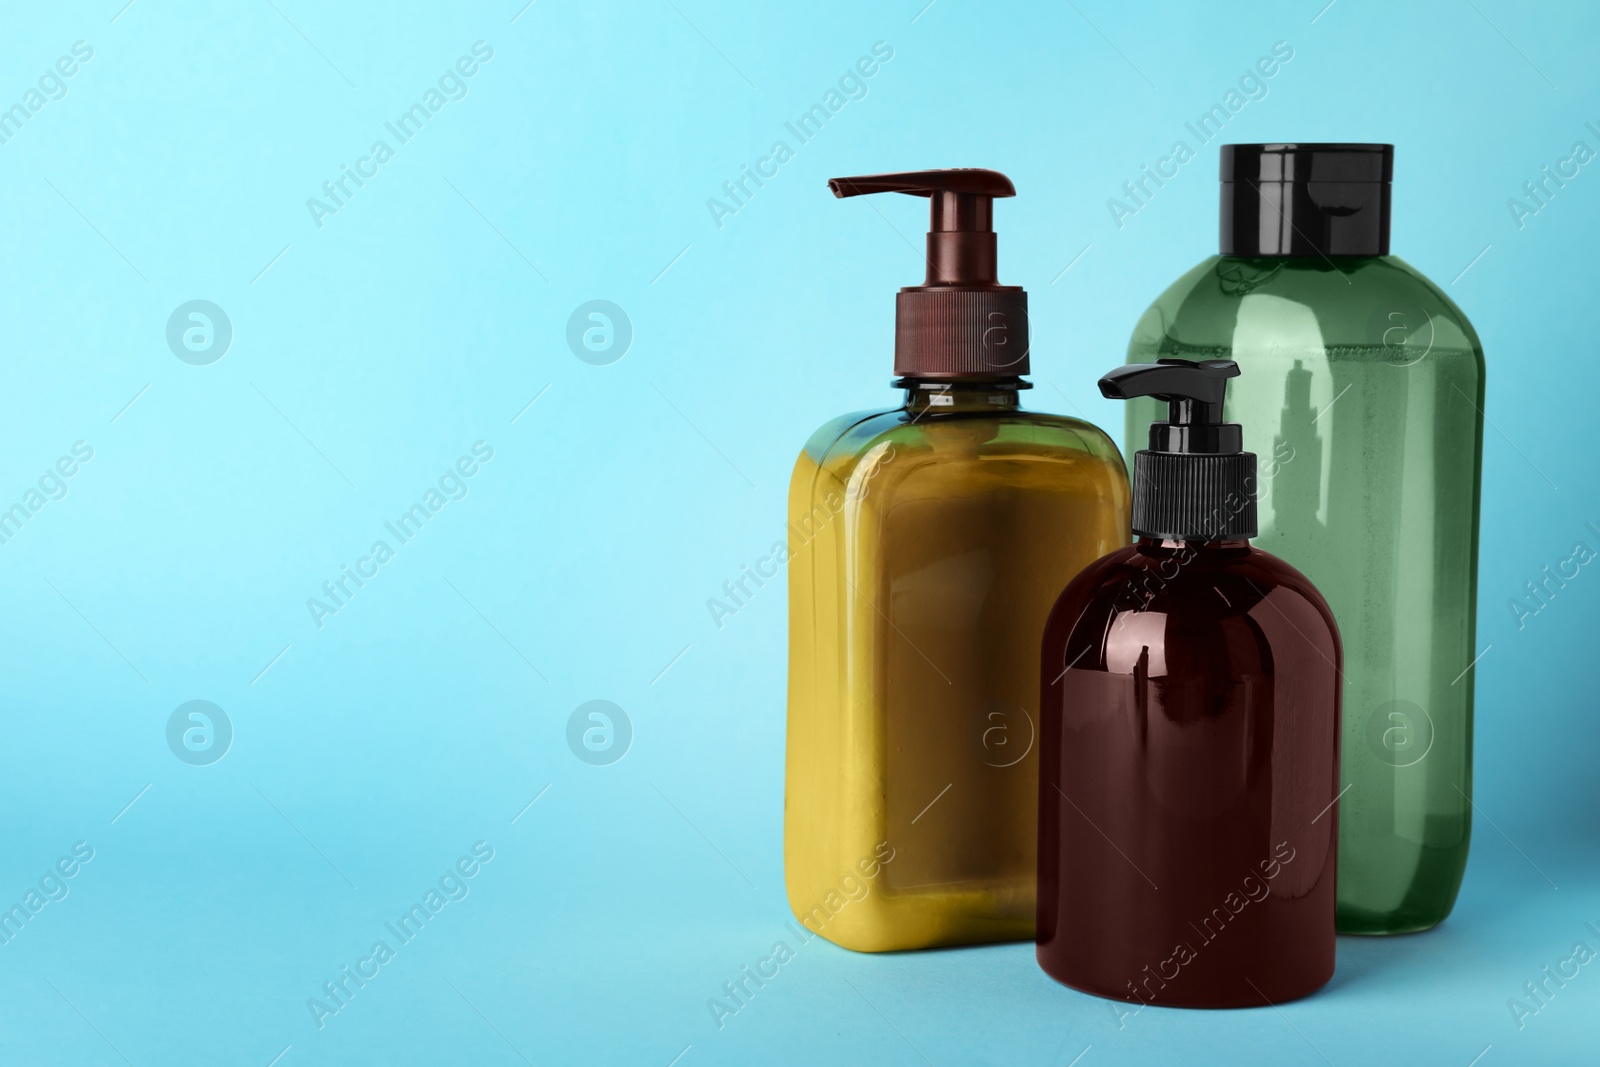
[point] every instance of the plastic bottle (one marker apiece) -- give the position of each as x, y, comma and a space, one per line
927, 542
1364, 383
1190, 743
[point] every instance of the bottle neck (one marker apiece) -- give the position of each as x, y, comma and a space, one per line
1166, 546
932, 397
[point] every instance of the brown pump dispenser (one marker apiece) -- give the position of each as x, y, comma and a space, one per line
960, 324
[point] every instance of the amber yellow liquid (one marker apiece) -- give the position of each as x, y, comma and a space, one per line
927, 546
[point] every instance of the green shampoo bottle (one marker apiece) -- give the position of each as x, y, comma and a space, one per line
1362, 392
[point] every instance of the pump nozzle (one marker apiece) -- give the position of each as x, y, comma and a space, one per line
1194, 392
961, 241
960, 323
1195, 481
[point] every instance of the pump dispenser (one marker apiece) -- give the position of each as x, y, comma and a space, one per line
960, 323
1195, 480
925, 545
1189, 743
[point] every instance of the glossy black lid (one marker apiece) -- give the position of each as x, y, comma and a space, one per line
1306, 199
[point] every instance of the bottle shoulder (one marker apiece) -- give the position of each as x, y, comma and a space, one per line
1438, 302
1354, 304
1180, 591
826, 437
849, 439
1092, 437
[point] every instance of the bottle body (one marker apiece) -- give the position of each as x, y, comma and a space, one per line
1189, 765
1363, 386
925, 544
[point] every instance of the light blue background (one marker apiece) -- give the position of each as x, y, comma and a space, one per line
370, 353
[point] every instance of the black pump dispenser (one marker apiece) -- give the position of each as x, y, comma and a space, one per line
1195, 482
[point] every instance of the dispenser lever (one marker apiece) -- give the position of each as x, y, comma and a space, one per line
969, 180
1194, 391
961, 242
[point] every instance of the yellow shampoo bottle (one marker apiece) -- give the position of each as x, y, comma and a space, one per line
927, 544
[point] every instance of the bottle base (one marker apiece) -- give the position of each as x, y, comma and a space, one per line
896, 940
887, 921
1362, 924
1418, 885
1413, 916
1209, 996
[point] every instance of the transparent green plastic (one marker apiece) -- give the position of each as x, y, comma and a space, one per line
1363, 384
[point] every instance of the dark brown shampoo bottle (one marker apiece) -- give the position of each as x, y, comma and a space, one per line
1189, 737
